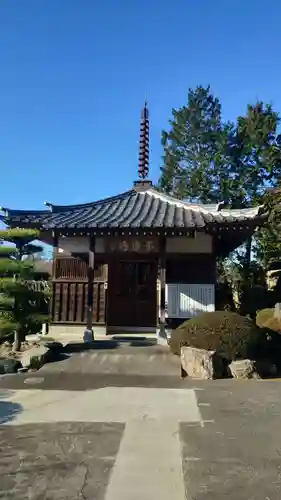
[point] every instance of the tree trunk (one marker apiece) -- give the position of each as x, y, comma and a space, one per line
244, 284
248, 256
17, 340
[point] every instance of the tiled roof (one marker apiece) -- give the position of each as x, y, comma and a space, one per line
132, 209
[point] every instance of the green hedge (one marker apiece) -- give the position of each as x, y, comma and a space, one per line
233, 336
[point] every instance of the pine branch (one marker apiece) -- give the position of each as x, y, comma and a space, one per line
7, 252
19, 235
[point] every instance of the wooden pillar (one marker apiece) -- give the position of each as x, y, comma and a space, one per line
91, 267
162, 269
55, 249
54, 264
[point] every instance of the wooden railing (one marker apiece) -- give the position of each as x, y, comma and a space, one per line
70, 268
76, 269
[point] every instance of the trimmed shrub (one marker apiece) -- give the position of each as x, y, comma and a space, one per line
273, 324
231, 335
266, 319
263, 316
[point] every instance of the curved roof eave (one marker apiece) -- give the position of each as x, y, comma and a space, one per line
82, 206
135, 209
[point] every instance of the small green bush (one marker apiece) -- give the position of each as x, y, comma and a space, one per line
263, 316
231, 335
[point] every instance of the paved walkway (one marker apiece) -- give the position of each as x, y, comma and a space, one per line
150, 448
189, 440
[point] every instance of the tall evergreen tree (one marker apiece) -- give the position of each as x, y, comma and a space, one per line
269, 240
258, 153
208, 160
197, 150
19, 303
258, 166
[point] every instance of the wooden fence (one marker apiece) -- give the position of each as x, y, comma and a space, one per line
70, 290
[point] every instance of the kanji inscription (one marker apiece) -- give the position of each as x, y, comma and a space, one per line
128, 245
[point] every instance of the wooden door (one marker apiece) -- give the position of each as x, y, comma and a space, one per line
132, 293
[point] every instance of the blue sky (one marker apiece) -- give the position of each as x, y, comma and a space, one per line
74, 74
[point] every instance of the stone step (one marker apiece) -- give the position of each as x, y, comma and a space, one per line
146, 361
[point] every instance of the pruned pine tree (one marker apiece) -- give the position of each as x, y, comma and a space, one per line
19, 303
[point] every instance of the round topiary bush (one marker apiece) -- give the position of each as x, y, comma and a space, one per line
231, 335
263, 316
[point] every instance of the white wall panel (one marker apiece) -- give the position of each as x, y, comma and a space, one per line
172, 301
189, 300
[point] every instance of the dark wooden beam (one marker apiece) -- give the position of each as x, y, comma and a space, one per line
54, 264
130, 232
55, 249
162, 272
91, 267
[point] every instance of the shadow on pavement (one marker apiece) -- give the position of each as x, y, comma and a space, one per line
58, 352
107, 344
135, 341
97, 344
8, 409
57, 355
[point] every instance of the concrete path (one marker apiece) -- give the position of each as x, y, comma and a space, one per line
149, 463
137, 436
111, 404
237, 453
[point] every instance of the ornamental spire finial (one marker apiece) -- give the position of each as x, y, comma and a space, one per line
143, 166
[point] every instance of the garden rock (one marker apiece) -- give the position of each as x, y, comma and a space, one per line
202, 364
243, 369
35, 357
9, 365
